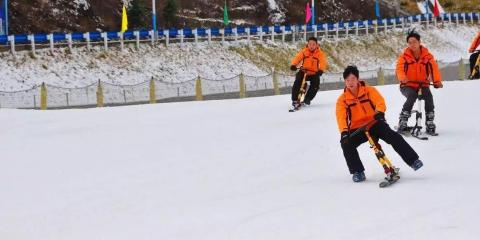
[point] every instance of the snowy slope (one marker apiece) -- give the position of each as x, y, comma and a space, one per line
231, 169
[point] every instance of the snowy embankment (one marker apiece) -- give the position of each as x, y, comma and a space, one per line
182, 62
232, 169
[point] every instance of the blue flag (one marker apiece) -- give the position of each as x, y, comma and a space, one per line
377, 9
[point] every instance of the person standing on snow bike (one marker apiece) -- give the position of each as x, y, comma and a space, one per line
416, 68
313, 63
475, 51
358, 105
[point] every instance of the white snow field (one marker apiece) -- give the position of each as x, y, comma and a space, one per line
242, 169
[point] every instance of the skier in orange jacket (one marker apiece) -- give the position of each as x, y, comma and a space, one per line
357, 106
313, 63
416, 68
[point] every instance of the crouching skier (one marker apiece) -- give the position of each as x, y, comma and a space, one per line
313, 64
357, 106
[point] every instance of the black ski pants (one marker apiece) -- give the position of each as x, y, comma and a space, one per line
380, 130
411, 94
473, 60
312, 90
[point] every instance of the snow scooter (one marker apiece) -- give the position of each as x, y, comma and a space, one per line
416, 131
301, 93
391, 171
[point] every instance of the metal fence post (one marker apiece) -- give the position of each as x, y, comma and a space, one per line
50, 38
43, 97
105, 41
137, 39
198, 89
272, 29
336, 30
100, 99
276, 87
461, 70
153, 97
122, 44
347, 27
167, 37
294, 28
356, 29
366, 27
209, 33
195, 35
235, 34
87, 37
180, 32
326, 30
31, 37
12, 44
380, 77
152, 37
69, 40
222, 32
304, 33
242, 86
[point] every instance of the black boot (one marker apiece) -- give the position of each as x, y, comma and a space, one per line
430, 126
403, 121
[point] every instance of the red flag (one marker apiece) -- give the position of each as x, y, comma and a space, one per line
436, 11
308, 13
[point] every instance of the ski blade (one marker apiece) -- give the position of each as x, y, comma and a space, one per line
386, 183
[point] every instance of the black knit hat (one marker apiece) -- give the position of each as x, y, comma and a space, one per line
350, 70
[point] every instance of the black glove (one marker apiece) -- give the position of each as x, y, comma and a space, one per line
438, 85
293, 68
319, 73
379, 116
344, 137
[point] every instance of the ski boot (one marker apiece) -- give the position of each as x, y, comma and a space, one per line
295, 106
417, 164
403, 121
306, 101
358, 176
430, 126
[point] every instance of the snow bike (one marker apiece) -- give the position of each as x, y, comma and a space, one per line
301, 93
391, 171
416, 131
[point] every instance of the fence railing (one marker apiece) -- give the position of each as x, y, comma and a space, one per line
283, 33
102, 93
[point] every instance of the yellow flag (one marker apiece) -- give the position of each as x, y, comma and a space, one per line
124, 20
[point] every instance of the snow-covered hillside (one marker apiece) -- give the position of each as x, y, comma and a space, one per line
232, 169
181, 62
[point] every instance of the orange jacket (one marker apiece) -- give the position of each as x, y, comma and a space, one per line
354, 112
413, 70
475, 43
312, 62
